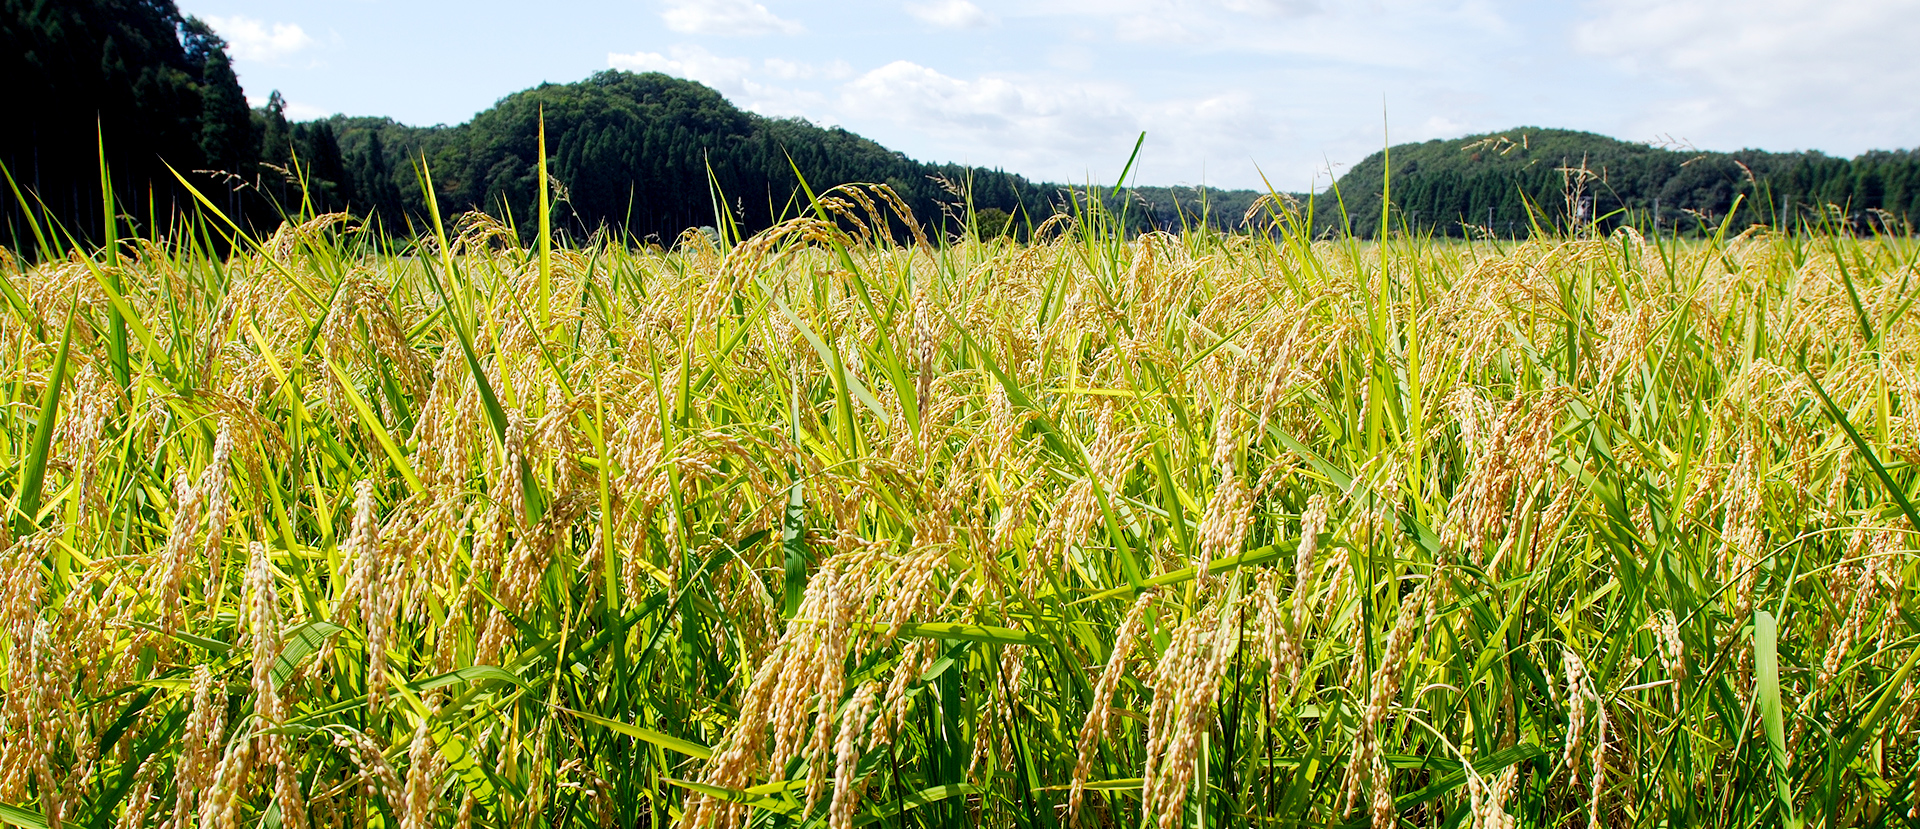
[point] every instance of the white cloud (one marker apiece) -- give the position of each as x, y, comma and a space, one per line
305, 112
1436, 126
253, 39
295, 110
789, 70
726, 17
1733, 42
1054, 128
736, 77
690, 62
1072, 57
1415, 34
990, 106
1788, 68
951, 14
1279, 7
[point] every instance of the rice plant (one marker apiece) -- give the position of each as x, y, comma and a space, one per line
839, 525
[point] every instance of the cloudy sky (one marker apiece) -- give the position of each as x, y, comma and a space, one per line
1059, 89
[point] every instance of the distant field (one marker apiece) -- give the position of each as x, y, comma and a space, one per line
821, 528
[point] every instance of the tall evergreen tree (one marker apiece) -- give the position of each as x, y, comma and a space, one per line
133, 76
226, 125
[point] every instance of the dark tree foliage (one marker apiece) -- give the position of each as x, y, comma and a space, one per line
152, 87
226, 126
301, 166
1511, 183
645, 155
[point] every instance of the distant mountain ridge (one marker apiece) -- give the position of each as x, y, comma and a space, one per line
1487, 182
634, 152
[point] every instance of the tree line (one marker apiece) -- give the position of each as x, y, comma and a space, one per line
1508, 184
646, 156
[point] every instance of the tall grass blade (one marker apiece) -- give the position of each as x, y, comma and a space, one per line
1766, 692
33, 472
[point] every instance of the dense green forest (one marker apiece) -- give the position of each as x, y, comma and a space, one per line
157, 86
633, 153
1504, 183
643, 156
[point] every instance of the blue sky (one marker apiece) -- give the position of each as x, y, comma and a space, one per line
1058, 89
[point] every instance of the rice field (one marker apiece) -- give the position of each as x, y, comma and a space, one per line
840, 526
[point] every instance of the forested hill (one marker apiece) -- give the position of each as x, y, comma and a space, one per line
1458, 186
633, 152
